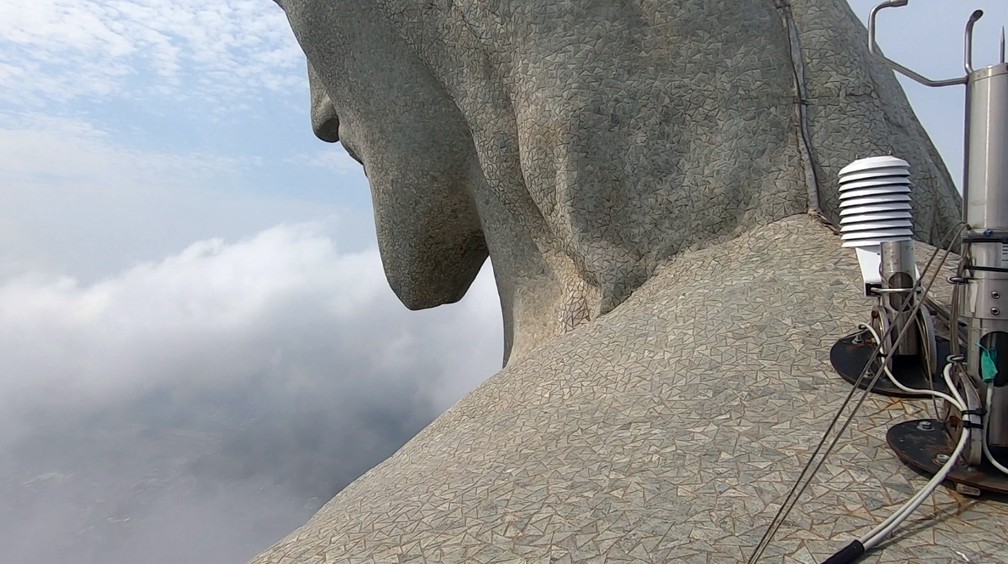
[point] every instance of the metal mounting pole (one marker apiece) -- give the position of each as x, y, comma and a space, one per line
984, 309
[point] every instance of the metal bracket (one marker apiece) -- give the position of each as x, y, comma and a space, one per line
873, 48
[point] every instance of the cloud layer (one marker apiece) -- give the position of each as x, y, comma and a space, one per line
197, 408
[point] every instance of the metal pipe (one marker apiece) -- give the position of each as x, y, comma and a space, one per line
968, 41
985, 203
1002, 45
874, 50
899, 274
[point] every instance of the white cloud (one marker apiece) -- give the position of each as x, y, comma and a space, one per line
209, 316
42, 151
60, 50
231, 385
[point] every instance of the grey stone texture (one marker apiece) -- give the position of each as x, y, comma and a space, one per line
647, 178
668, 431
582, 143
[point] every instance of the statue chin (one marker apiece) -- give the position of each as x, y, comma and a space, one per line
429, 235
432, 274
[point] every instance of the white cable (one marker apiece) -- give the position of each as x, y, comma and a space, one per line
882, 531
782, 513
874, 536
957, 401
983, 433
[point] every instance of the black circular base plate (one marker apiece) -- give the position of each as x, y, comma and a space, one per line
921, 445
850, 354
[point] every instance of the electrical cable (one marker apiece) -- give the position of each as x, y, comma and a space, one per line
872, 538
854, 550
914, 391
798, 487
967, 256
959, 402
878, 534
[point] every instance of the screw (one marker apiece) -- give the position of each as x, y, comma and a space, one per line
995, 294
995, 311
924, 426
942, 458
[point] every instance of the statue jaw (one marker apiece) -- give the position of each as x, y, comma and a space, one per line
370, 92
429, 232
430, 241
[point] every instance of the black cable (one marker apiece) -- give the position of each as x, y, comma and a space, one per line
850, 553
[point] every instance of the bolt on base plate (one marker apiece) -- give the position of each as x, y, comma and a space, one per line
924, 445
850, 354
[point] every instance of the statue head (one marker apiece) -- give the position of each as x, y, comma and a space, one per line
581, 145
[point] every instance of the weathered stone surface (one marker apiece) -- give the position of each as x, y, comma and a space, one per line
583, 143
668, 431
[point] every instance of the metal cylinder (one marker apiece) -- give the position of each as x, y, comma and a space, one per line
985, 210
899, 272
985, 195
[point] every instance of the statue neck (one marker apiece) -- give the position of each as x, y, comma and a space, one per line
541, 295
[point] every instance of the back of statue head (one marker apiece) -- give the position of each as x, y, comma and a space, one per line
581, 145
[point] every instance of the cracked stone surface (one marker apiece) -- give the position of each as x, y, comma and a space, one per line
669, 430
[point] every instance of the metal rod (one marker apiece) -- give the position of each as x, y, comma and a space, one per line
968, 41
874, 50
1002, 45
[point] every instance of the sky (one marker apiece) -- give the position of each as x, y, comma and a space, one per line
197, 344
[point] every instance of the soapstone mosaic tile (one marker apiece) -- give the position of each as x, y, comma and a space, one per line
667, 431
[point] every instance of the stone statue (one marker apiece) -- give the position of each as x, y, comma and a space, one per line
650, 179
581, 144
